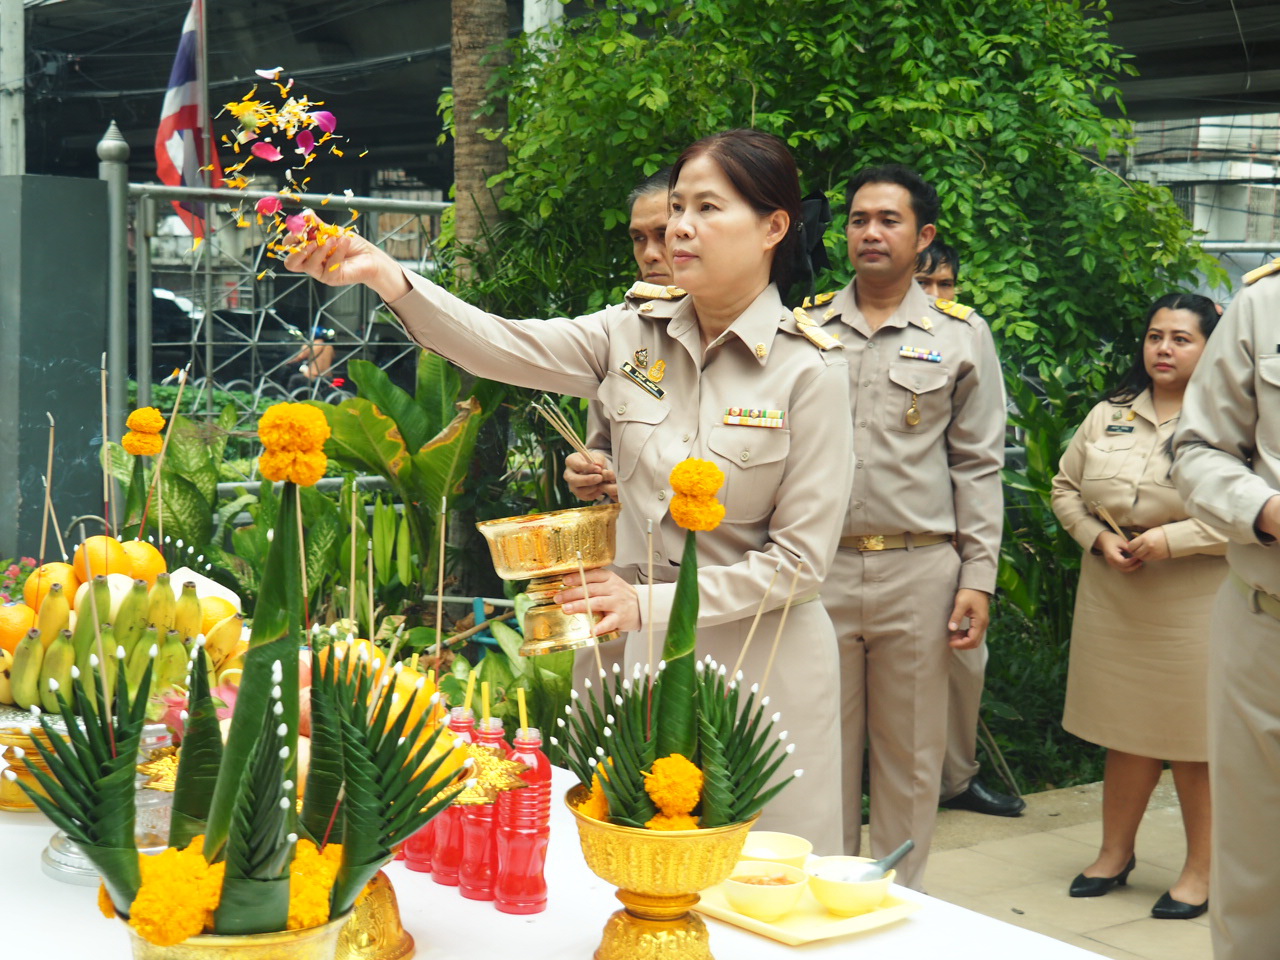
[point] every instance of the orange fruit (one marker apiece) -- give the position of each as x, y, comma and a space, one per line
147, 561
16, 621
103, 555
44, 577
213, 610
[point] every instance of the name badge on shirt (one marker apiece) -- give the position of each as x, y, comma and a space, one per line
637, 377
1119, 428
755, 417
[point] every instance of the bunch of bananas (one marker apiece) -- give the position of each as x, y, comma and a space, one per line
97, 643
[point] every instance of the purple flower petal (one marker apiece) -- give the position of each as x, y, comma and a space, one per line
266, 151
305, 140
297, 224
325, 120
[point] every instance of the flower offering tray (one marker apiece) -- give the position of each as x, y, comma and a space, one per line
809, 921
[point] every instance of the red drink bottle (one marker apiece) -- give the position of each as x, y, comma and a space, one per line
446, 854
479, 836
524, 818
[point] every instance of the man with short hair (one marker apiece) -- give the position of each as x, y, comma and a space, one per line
938, 273
916, 567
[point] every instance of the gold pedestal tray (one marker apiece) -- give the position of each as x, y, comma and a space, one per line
658, 874
543, 548
313, 943
375, 931
12, 738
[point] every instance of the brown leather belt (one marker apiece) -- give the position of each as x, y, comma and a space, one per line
1259, 600
892, 541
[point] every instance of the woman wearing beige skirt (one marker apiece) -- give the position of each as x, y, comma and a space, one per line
1139, 642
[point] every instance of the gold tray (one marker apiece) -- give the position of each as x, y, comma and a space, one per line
809, 921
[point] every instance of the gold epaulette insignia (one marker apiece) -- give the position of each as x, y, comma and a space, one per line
652, 291
1253, 276
818, 300
812, 332
953, 309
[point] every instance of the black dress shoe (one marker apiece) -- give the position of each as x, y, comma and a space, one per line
981, 799
1083, 886
1167, 908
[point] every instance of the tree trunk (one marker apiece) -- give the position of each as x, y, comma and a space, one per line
479, 29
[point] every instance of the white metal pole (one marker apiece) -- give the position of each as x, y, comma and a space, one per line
13, 68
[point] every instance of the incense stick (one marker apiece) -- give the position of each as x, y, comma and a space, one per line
48, 493
782, 622
444, 506
106, 456
302, 562
553, 416
369, 567
742, 655
1109, 520
155, 476
97, 633
591, 623
351, 596
53, 512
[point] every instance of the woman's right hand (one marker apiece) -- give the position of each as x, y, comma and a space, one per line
1113, 551
590, 479
349, 259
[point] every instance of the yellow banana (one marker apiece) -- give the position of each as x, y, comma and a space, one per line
162, 603
171, 664
54, 615
24, 678
92, 671
59, 658
6, 670
222, 639
131, 618
187, 616
143, 653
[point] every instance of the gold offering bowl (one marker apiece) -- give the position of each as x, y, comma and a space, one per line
12, 739
542, 548
658, 874
312, 943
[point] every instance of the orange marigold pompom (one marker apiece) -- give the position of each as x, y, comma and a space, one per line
104, 902
696, 513
311, 877
297, 427
675, 785
697, 478
145, 420
301, 467
596, 806
142, 444
180, 891
679, 821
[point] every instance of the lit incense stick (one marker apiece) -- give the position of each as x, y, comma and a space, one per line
48, 472
1109, 520
742, 655
782, 622
591, 623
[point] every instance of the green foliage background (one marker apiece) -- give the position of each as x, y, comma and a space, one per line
1003, 105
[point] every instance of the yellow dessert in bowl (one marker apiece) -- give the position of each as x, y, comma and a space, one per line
777, 848
764, 890
843, 897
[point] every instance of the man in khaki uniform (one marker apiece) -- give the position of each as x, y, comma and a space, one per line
917, 561
1228, 468
938, 273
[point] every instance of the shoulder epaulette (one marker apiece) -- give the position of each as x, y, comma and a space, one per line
818, 300
1253, 276
953, 309
814, 333
652, 291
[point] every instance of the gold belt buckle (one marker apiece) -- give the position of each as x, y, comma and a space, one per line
875, 542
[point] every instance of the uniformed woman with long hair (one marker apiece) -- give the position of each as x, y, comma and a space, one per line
1136, 683
668, 368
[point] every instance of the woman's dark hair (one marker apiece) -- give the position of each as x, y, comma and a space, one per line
650, 184
1137, 379
761, 168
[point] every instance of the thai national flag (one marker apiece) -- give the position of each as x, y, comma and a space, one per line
184, 142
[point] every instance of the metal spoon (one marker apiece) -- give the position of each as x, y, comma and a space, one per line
865, 872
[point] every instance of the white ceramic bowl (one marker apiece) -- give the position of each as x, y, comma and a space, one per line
841, 897
763, 901
776, 848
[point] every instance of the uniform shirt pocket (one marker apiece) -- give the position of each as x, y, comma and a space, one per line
1104, 457
758, 459
920, 384
635, 416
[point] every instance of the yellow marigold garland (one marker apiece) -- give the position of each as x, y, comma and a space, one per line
303, 468
694, 506
596, 806
696, 513
674, 785
104, 902
142, 444
180, 891
311, 879
145, 420
293, 435
679, 821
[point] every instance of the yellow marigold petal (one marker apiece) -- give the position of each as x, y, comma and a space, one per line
696, 513
298, 427
674, 785
697, 478
681, 821
177, 897
308, 468
146, 420
142, 444
104, 902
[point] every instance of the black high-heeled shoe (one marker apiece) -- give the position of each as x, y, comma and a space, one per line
1167, 908
1083, 886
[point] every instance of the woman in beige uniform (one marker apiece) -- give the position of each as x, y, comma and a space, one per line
1139, 642
724, 374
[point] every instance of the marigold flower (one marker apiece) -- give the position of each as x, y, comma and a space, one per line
145, 420
180, 891
142, 444
297, 427
696, 513
104, 902
311, 878
596, 806
697, 478
675, 785
679, 821
301, 467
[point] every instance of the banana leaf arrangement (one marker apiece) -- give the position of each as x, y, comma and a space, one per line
680, 747
382, 764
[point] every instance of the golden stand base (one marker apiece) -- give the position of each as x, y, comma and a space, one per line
375, 931
11, 796
656, 928
548, 629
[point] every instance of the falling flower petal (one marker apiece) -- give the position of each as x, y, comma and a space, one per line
271, 74
268, 205
297, 223
325, 120
305, 140
266, 151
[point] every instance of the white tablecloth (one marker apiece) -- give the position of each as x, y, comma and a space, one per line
43, 918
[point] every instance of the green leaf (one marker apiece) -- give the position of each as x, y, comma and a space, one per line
198, 761
188, 458
409, 416
364, 438
187, 514
675, 724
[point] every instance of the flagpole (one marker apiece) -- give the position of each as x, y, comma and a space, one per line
206, 121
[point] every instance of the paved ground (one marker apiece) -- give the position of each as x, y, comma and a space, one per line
1018, 870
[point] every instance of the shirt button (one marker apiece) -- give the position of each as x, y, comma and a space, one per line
662, 494
745, 456
862, 423
871, 343
657, 556
859, 465
621, 410
866, 383
685, 438
857, 504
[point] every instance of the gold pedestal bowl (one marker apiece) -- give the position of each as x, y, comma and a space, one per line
542, 548
13, 739
658, 874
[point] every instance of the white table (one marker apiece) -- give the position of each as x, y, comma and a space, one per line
448, 927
